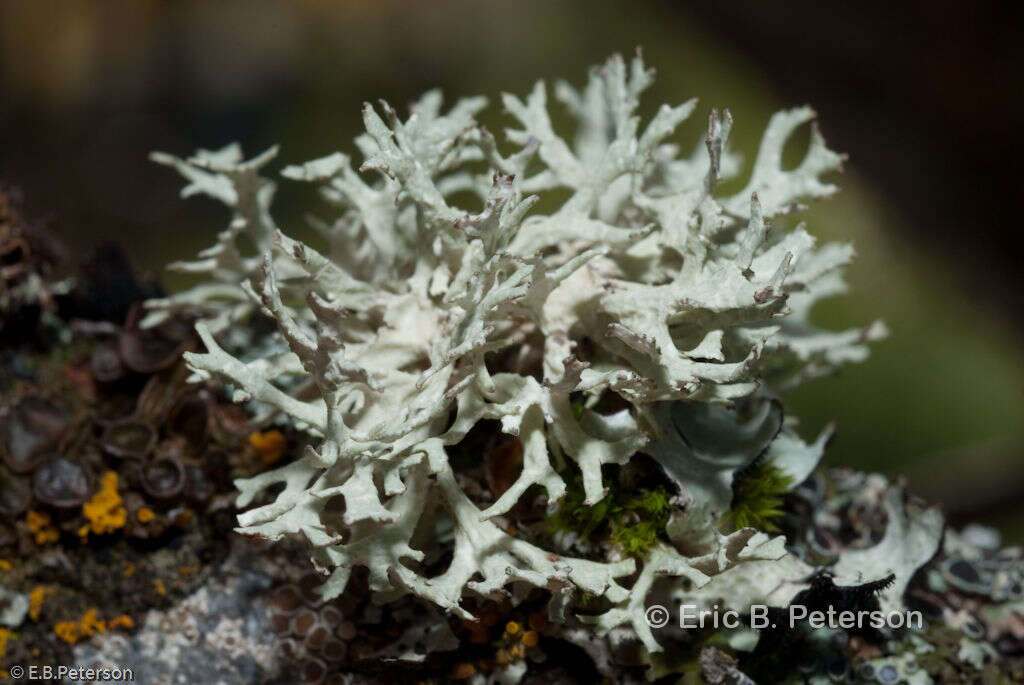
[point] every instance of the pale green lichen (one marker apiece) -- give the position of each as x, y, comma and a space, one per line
646, 283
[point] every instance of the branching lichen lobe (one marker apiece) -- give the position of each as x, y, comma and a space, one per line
646, 290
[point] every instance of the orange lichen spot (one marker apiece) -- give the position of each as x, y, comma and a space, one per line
91, 623
159, 587
5, 635
36, 597
145, 515
87, 626
530, 638
41, 526
68, 631
463, 671
511, 627
5, 565
129, 569
105, 511
502, 657
188, 570
122, 621
517, 652
269, 445
83, 532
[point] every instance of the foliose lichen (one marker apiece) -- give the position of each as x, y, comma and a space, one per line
646, 312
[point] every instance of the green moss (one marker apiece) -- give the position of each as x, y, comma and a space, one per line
629, 521
757, 498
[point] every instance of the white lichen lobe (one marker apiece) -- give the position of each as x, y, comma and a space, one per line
422, 318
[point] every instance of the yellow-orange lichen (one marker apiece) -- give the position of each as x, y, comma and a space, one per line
516, 639
41, 526
5, 565
91, 623
269, 445
67, 631
36, 597
5, 635
145, 515
105, 511
159, 587
87, 626
129, 569
122, 621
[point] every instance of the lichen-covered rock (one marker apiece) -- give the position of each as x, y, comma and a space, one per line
115, 479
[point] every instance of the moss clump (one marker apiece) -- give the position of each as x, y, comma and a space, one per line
757, 498
630, 522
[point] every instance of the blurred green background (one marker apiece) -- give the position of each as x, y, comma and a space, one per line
87, 89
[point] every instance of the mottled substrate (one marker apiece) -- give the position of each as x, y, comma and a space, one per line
259, 619
115, 480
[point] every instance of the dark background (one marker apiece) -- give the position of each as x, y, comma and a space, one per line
926, 98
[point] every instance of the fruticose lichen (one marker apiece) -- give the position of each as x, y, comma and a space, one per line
643, 312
